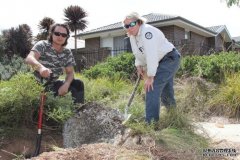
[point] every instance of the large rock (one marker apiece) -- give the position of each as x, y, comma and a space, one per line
94, 123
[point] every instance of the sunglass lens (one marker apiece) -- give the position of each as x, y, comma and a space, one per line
57, 33
126, 26
64, 35
132, 24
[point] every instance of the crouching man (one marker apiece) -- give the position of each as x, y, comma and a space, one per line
51, 58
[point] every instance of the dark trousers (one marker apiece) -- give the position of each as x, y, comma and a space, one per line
76, 88
163, 86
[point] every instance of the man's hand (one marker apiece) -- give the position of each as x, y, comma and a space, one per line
140, 71
32, 59
44, 72
68, 79
148, 85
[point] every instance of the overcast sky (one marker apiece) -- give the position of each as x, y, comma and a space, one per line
103, 12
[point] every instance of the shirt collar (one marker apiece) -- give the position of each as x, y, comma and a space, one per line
140, 30
49, 44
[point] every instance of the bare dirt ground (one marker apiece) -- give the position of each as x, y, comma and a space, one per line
22, 144
223, 133
16, 148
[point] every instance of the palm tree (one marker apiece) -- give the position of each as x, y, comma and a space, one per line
232, 2
18, 40
75, 19
44, 26
25, 41
2, 46
9, 41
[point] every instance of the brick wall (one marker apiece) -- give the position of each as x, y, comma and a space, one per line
173, 33
199, 45
92, 43
220, 45
211, 42
179, 34
194, 45
168, 31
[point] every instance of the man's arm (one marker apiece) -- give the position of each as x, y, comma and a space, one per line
32, 59
69, 74
68, 80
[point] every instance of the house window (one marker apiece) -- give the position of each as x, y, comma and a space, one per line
118, 45
187, 35
118, 42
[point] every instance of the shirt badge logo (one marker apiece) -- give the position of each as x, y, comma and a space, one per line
148, 35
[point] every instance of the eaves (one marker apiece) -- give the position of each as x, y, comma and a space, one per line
117, 29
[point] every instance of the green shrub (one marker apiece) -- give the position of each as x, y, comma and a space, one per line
212, 68
121, 66
11, 66
187, 66
17, 98
105, 90
59, 109
20, 100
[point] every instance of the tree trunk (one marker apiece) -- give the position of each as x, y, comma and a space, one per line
75, 32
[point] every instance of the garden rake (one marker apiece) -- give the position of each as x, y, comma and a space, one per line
126, 115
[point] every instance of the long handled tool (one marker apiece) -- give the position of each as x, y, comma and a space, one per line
40, 115
126, 115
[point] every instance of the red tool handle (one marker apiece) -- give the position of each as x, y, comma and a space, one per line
40, 113
40, 117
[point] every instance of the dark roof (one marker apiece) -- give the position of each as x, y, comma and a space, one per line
221, 29
104, 28
216, 29
151, 18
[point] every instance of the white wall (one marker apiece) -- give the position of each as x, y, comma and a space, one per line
106, 42
71, 43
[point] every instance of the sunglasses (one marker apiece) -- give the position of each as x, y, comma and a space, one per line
64, 35
132, 24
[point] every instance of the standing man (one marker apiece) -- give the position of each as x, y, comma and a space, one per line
50, 59
157, 61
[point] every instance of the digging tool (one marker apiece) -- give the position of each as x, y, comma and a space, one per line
40, 116
126, 115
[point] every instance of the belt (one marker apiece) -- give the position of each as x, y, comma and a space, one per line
171, 51
167, 54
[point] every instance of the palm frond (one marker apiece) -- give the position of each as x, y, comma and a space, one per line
45, 23
75, 18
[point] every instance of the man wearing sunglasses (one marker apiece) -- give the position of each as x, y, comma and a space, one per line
50, 59
157, 62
